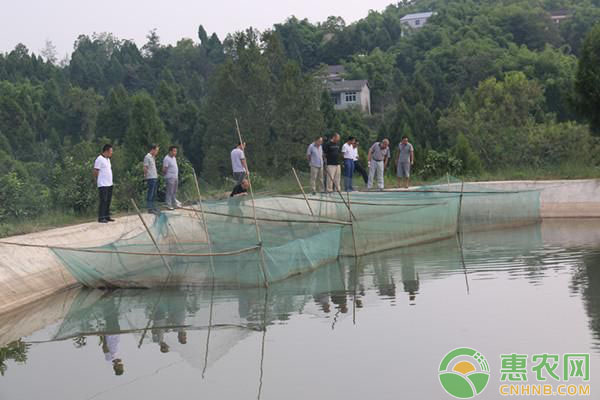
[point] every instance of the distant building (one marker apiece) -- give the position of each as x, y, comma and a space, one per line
415, 21
348, 94
335, 73
559, 15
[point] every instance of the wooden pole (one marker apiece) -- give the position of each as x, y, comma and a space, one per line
212, 268
302, 190
459, 216
258, 235
137, 210
340, 193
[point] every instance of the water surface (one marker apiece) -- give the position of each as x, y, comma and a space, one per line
376, 328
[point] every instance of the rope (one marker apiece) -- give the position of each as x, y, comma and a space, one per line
132, 253
270, 219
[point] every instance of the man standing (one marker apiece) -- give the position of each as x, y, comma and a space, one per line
104, 180
357, 167
404, 161
238, 163
378, 157
314, 154
348, 152
171, 173
151, 177
332, 155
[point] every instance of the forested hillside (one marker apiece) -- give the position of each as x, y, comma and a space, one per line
483, 86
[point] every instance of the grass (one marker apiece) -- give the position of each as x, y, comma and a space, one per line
288, 185
53, 219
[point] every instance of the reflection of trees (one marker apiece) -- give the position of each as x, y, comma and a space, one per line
16, 351
587, 281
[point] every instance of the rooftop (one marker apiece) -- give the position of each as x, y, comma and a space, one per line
347, 86
409, 17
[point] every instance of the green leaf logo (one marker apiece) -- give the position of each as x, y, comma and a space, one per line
464, 373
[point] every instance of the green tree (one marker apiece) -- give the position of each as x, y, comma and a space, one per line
588, 79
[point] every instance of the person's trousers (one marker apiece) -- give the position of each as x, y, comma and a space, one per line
105, 195
316, 178
238, 177
375, 169
151, 195
359, 168
171, 192
333, 177
348, 174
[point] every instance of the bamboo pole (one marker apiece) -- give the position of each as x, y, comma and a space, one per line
137, 210
302, 190
459, 215
363, 203
258, 235
299, 221
340, 193
130, 253
212, 267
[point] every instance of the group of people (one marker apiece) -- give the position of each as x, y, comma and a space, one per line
325, 161
104, 179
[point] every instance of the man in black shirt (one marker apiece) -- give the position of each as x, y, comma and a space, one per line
241, 189
331, 152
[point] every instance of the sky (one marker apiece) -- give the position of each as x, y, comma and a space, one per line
32, 22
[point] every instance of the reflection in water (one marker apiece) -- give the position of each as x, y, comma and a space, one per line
15, 351
201, 326
587, 282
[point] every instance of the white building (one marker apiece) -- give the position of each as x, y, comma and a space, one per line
415, 21
347, 94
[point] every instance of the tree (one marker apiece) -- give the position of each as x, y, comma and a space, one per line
145, 127
49, 52
587, 83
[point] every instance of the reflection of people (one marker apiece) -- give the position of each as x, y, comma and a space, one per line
158, 330
110, 347
322, 299
410, 278
176, 316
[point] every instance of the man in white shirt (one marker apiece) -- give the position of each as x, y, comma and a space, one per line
348, 153
238, 163
104, 181
151, 177
171, 172
314, 155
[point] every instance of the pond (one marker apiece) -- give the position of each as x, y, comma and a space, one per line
375, 327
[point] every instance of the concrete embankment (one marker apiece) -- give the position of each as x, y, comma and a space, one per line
561, 198
29, 274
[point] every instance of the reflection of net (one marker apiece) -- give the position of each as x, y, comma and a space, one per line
168, 310
296, 236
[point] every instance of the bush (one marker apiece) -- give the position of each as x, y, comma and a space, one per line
435, 165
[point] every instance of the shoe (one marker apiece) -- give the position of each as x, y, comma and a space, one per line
103, 221
171, 208
178, 204
109, 219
